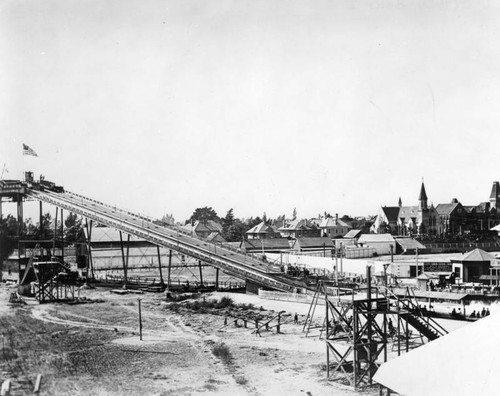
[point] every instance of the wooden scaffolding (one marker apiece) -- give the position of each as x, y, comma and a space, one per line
54, 282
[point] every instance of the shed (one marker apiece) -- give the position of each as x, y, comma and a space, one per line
474, 264
266, 245
409, 246
312, 244
380, 242
423, 280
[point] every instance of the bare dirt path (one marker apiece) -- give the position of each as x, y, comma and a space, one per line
94, 349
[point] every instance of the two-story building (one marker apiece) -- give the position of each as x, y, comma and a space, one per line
333, 227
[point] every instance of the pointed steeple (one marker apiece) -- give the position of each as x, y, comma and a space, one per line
422, 198
400, 203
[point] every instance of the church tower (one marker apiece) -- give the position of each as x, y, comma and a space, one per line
422, 198
495, 196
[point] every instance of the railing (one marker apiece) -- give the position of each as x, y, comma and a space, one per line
175, 228
414, 309
153, 281
151, 232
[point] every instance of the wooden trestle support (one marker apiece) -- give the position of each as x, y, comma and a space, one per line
358, 331
54, 282
356, 341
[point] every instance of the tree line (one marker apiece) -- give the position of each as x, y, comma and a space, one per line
10, 232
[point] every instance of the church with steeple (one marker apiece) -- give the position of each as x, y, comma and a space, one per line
445, 218
409, 220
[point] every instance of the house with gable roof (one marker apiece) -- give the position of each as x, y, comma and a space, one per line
204, 229
386, 220
262, 231
300, 228
334, 227
453, 216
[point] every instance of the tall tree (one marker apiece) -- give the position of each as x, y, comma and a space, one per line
294, 214
73, 231
227, 224
204, 214
8, 236
252, 222
44, 230
168, 218
236, 232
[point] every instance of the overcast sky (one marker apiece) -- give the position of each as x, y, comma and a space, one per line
339, 105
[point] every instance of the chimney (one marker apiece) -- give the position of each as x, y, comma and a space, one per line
495, 195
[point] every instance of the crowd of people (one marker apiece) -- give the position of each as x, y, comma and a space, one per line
480, 314
294, 270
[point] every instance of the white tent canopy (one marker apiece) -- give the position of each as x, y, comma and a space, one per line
464, 362
350, 266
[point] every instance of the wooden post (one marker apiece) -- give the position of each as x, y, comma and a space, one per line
140, 320
201, 272
399, 333
38, 383
123, 252
62, 236
279, 323
385, 340
89, 249
327, 321
407, 337
216, 279
159, 264
41, 222
169, 268
341, 260
55, 233
5, 390
125, 280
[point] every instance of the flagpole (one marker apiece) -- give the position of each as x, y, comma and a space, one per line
22, 168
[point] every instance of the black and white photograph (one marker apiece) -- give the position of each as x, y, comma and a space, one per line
249, 197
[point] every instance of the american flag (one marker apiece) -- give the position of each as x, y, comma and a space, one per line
27, 150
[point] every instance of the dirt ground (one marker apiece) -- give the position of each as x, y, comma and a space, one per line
94, 349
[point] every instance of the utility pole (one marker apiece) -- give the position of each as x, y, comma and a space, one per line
140, 320
341, 262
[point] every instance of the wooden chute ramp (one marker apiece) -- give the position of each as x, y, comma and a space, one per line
226, 257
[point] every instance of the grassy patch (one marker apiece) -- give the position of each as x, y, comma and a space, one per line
222, 351
225, 302
240, 380
246, 307
204, 306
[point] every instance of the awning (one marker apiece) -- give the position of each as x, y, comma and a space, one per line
489, 277
462, 363
435, 275
432, 294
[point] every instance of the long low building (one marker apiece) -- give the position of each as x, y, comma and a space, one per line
265, 245
382, 243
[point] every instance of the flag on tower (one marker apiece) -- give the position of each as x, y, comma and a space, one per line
27, 150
